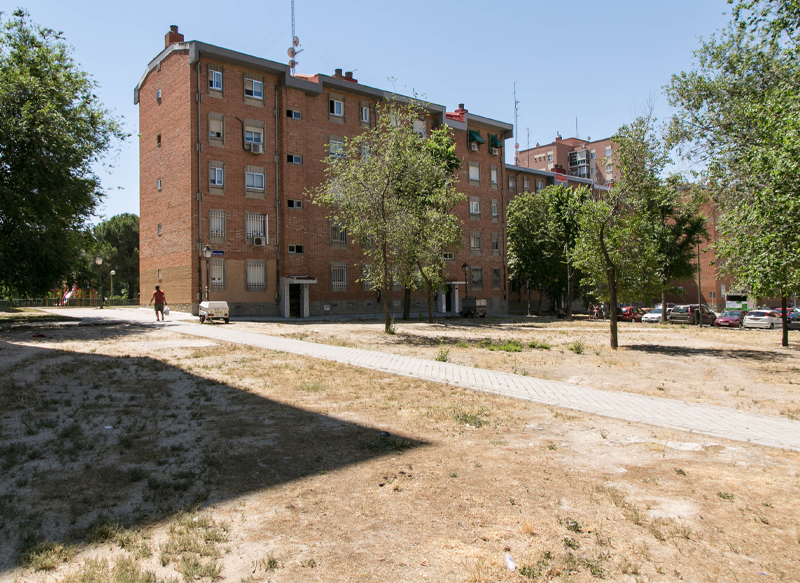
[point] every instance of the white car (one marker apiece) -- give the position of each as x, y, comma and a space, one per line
653, 316
762, 319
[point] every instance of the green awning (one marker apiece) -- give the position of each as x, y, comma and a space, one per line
476, 137
494, 142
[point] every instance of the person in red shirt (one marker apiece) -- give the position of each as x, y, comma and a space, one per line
161, 300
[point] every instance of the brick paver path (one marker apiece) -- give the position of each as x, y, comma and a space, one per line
720, 422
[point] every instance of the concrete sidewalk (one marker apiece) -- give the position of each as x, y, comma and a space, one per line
711, 420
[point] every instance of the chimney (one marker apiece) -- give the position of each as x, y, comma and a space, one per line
349, 77
173, 36
337, 73
461, 107
558, 137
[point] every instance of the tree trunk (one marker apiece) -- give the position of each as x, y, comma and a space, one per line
663, 306
406, 303
612, 307
785, 332
569, 293
539, 307
430, 305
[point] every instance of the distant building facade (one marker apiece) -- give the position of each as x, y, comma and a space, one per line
592, 160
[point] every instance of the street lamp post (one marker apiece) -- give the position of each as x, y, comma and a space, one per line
99, 261
528, 287
465, 269
207, 255
111, 292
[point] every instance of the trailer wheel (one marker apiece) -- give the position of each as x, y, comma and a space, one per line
202, 319
227, 320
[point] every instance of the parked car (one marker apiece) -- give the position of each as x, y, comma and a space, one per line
762, 319
688, 314
653, 316
730, 319
630, 314
670, 306
793, 321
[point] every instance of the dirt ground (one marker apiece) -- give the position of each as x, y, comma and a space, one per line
136, 455
740, 369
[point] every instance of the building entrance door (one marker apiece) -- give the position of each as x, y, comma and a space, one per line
448, 299
295, 298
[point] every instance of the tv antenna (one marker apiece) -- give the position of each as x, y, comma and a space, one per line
293, 50
516, 132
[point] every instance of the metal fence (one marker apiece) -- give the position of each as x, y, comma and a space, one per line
70, 303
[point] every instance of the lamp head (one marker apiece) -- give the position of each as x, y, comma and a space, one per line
207, 252
465, 267
98, 260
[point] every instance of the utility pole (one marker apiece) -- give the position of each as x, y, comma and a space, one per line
699, 294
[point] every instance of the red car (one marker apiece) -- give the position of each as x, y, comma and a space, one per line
630, 314
731, 319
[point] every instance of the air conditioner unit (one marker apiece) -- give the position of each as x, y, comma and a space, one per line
259, 241
493, 151
256, 148
474, 146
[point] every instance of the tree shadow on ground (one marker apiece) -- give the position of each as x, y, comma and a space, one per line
88, 439
731, 353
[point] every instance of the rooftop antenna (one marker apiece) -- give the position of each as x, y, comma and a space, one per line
293, 52
577, 135
516, 132
528, 147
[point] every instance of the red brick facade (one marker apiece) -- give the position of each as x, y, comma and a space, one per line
199, 105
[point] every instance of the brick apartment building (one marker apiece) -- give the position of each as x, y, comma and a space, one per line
575, 157
230, 144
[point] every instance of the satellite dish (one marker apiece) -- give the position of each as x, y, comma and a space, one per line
296, 41
292, 64
588, 138
516, 146
291, 52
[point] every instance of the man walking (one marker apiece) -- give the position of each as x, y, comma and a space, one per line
160, 300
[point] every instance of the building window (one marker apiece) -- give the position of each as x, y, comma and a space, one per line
295, 204
592, 155
216, 269
496, 242
493, 176
255, 225
338, 234
364, 114
216, 224
159, 229
338, 277
254, 181
609, 169
256, 274
526, 184
495, 206
253, 88
449, 256
159, 275
366, 282
294, 114
550, 157
215, 176
495, 278
511, 183
295, 249
592, 170
477, 278
158, 141
475, 207
252, 135
365, 151
158, 184
215, 80
475, 240
608, 151
292, 159
539, 185
336, 107
420, 128
215, 129
336, 146
474, 172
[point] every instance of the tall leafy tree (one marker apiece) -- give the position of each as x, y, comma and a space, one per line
383, 188
615, 250
53, 129
739, 117
118, 242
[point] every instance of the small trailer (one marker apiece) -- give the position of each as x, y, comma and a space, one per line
471, 307
214, 311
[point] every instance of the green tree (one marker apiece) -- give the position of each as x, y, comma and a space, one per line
118, 243
376, 188
53, 129
739, 117
532, 256
615, 249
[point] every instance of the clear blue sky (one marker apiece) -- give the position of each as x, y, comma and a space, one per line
599, 61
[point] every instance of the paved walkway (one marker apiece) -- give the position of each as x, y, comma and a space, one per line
711, 420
